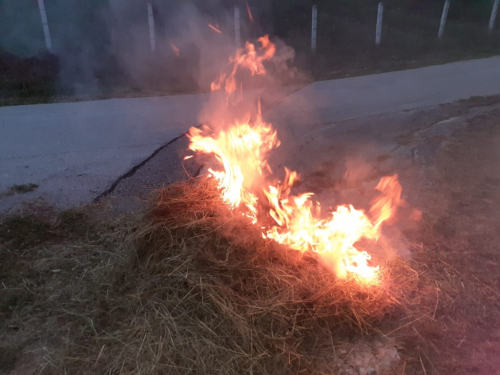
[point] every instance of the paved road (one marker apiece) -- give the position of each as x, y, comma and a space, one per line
324, 102
75, 151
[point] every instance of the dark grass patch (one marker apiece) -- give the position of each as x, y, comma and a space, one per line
30, 230
19, 189
8, 358
22, 189
22, 232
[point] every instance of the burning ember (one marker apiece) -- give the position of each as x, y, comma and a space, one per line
250, 16
214, 28
175, 49
292, 220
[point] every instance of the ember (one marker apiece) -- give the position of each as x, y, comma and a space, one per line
175, 49
214, 28
292, 220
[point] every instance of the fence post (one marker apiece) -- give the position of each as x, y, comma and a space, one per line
237, 30
151, 20
378, 31
443, 18
45, 24
314, 28
493, 15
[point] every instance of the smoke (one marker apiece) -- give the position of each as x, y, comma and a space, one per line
104, 46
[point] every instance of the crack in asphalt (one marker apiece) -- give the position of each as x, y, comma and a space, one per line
135, 168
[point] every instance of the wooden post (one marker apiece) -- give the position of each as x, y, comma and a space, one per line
237, 30
443, 18
151, 19
45, 24
314, 28
378, 30
493, 15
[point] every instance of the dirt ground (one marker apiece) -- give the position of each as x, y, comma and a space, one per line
458, 246
52, 262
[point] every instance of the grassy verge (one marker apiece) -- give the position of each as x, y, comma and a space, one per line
346, 35
190, 288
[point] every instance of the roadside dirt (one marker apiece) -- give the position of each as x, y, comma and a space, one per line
458, 244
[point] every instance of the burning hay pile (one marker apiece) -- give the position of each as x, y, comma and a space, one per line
202, 292
235, 273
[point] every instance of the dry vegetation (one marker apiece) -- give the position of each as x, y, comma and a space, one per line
192, 288
189, 287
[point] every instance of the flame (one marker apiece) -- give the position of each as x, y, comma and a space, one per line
246, 144
249, 12
175, 49
292, 220
244, 179
248, 58
390, 198
214, 28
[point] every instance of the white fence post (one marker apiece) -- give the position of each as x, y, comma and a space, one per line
45, 24
237, 29
493, 15
151, 19
443, 18
378, 31
314, 28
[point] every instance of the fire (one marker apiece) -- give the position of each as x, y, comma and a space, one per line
245, 182
292, 220
249, 58
246, 144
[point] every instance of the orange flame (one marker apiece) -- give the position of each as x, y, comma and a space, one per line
246, 144
248, 58
214, 28
242, 150
175, 49
292, 220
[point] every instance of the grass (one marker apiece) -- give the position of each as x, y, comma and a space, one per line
188, 288
19, 189
191, 287
202, 292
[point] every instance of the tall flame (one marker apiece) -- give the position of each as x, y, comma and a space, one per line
292, 220
295, 221
249, 58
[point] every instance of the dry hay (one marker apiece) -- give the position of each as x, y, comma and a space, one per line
201, 292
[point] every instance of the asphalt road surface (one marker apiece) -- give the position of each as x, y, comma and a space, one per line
76, 152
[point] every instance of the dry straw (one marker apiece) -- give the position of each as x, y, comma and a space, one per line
203, 293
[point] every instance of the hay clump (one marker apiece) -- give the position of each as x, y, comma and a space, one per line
203, 293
